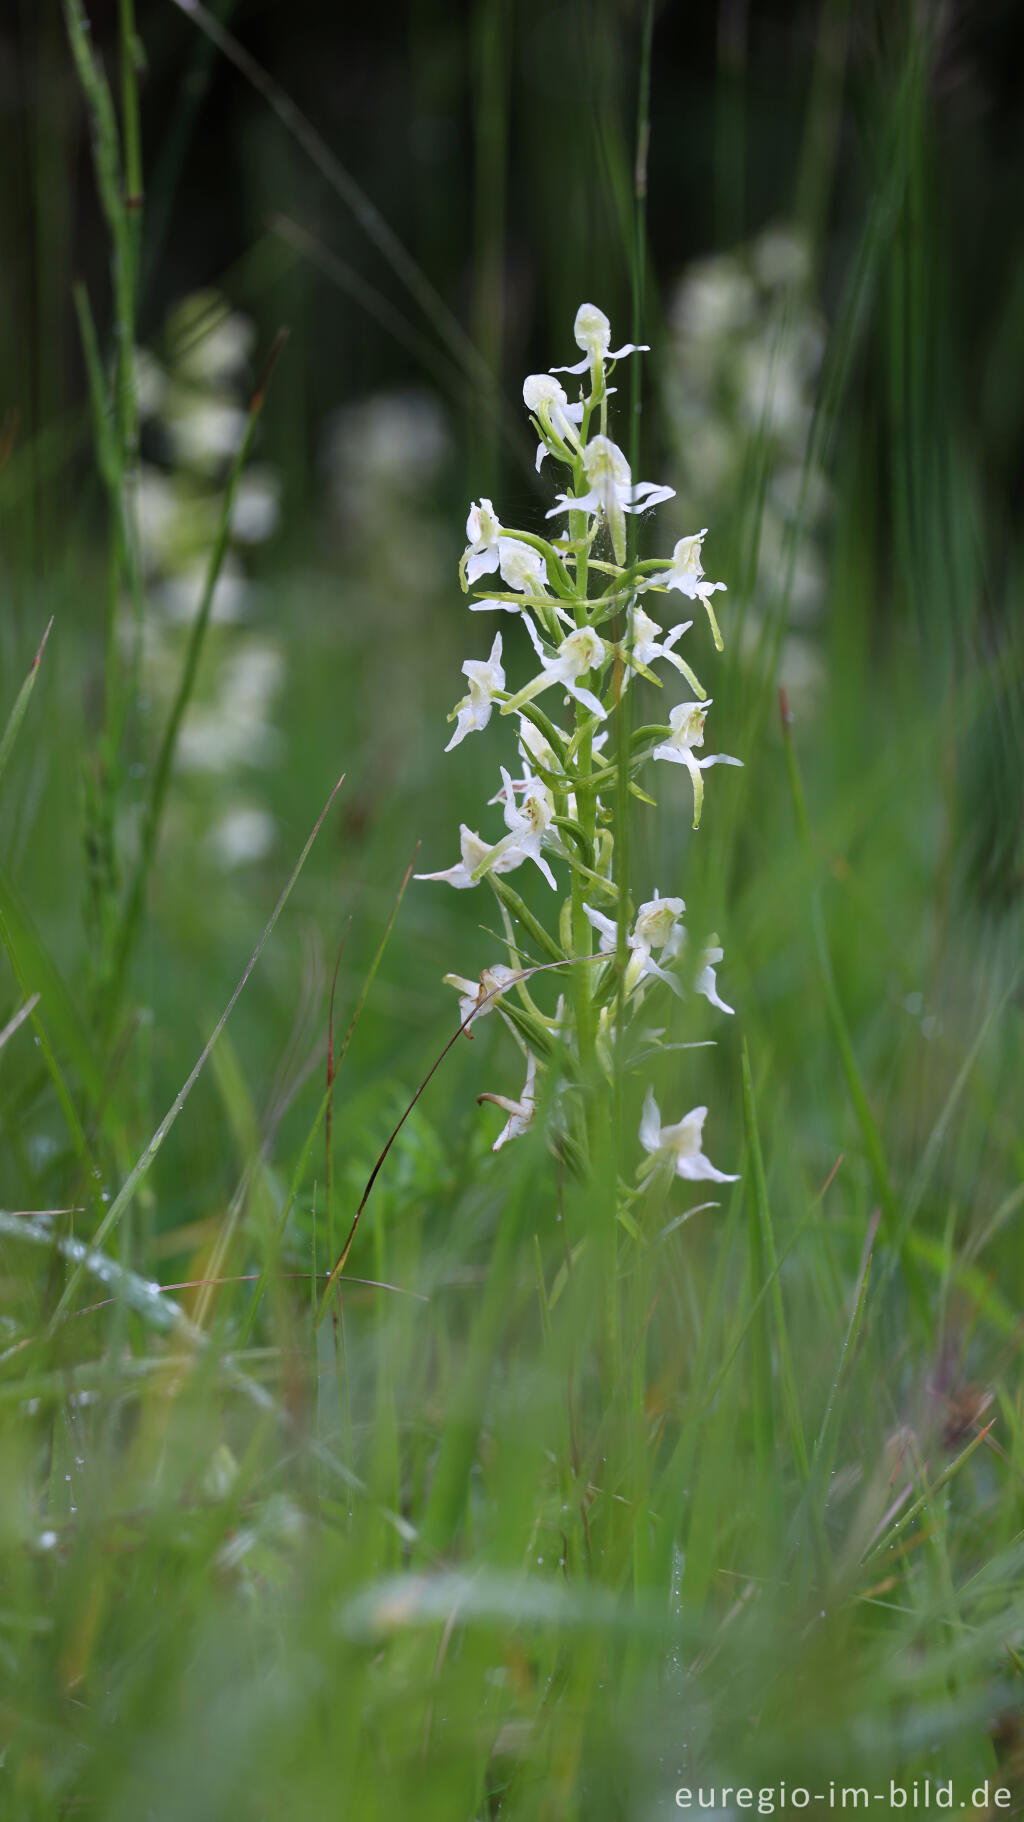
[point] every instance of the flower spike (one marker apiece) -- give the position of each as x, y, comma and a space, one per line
568, 596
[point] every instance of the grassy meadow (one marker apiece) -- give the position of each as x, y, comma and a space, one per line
555, 1501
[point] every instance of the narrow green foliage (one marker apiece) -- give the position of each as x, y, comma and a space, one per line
164, 765
854, 1081
21, 702
129, 1189
609, 1475
763, 1257
925, 1499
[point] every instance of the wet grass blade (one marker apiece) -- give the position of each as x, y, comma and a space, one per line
914, 1511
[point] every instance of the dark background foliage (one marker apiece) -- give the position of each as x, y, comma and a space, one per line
505, 131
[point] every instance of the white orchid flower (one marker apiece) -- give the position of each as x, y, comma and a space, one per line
611, 491
534, 749
490, 549
478, 858
679, 1145
523, 569
483, 531
532, 745
705, 981
529, 821
686, 573
527, 825
540, 754
520, 1113
607, 930
556, 418
687, 724
486, 678
686, 569
646, 642
593, 333
478, 998
658, 925
580, 652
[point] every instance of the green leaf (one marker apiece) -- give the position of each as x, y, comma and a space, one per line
21, 702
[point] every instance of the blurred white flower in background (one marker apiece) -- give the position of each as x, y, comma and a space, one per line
194, 411
781, 256
257, 508
716, 298
180, 593
211, 344
242, 836
383, 454
150, 383
157, 516
236, 729
204, 432
384, 463
747, 348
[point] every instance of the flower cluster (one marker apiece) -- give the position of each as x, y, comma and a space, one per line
192, 407
741, 376
588, 608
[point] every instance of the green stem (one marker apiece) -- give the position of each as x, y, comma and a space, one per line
586, 815
623, 744
168, 746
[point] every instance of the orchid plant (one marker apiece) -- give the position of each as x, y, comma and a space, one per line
588, 612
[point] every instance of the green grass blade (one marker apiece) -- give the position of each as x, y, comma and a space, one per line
765, 1255
135, 898
913, 1511
21, 702
930, 1155
299, 1173
837, 1019
37, 973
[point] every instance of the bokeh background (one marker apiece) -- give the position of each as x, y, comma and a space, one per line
834, 297
835, 302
